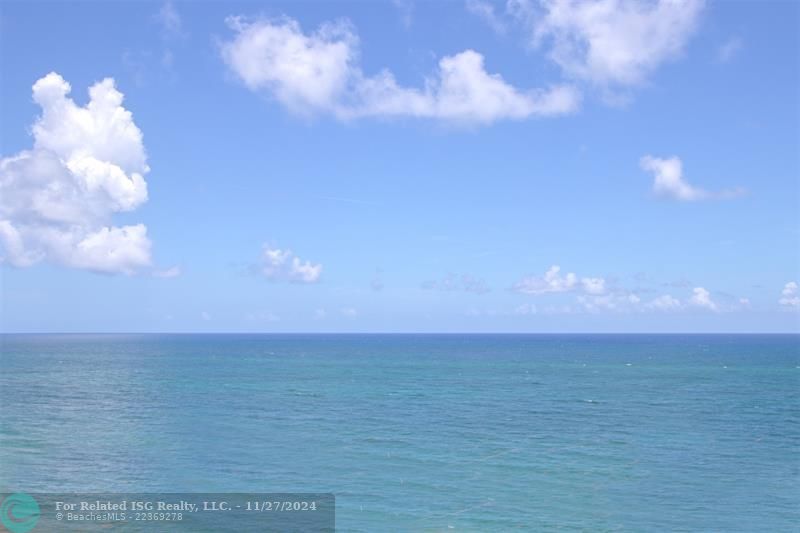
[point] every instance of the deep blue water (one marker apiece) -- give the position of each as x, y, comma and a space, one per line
421, 432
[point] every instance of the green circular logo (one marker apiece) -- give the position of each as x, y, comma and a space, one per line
19, 512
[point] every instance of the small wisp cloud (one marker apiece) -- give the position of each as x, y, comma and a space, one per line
668, 181
284, 265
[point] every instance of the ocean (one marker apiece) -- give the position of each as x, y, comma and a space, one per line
421, 432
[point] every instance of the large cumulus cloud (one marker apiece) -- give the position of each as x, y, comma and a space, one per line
58, 198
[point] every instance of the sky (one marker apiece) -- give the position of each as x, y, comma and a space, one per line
521, 166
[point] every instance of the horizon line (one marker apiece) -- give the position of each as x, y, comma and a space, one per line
398, 333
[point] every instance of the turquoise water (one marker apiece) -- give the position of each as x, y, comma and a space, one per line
421, 432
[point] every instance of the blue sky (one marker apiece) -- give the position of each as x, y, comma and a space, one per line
403, 166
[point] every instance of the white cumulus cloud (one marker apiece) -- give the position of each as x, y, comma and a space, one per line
702, 298
669, 182
789, 295
319, 72
87, 163
277, 264
609, 42
594, 285
553, 281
